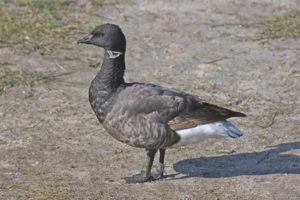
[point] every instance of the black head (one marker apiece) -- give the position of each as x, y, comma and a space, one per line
107, 36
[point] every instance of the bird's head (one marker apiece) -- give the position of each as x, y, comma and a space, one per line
108, 36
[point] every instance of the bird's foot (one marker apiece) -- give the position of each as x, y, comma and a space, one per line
139, 178
159, 173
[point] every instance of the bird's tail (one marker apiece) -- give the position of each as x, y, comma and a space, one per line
226, 128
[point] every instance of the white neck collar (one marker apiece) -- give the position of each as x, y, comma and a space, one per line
114, 54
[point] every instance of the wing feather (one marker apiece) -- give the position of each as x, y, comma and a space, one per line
177, 109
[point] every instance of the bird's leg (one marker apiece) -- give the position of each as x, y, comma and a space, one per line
146, 176
160, 170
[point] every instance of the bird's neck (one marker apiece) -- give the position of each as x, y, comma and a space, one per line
110, 76
107, 83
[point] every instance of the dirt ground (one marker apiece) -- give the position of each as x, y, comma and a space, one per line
244, 55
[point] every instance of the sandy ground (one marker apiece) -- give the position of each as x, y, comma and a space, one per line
53, 147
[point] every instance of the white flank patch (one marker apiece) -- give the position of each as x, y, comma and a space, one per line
211, 130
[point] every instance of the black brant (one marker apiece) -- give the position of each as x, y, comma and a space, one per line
145, 115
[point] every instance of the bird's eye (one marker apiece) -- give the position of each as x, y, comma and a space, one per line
98, 34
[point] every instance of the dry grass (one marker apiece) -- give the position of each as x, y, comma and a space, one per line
285, 26
10, 78
38, 23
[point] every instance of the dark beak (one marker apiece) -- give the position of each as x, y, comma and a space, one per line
86, 39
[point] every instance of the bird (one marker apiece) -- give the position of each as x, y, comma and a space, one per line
146, 115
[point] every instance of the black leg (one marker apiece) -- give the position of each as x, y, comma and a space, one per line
162, 155
150, 156
160, 170
144, 177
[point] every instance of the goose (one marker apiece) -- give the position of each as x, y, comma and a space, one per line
146, 115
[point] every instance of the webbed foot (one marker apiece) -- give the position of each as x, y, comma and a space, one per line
139, 178
159, 172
